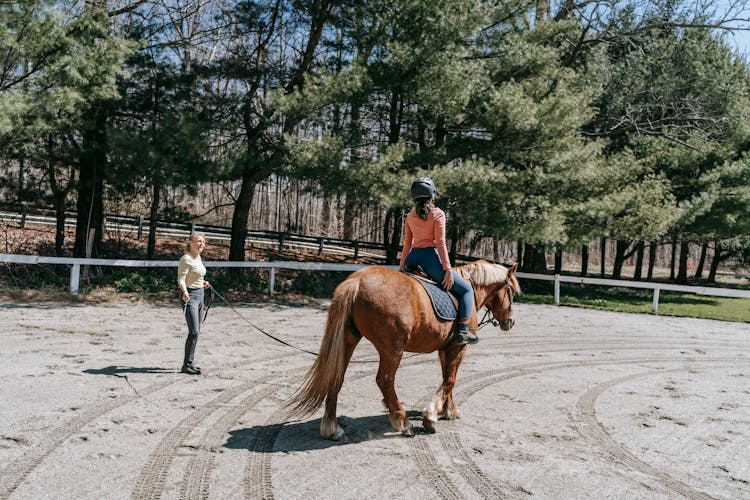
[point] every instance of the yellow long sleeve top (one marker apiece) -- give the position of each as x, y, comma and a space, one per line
190, 271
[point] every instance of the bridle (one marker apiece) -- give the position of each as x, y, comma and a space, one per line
488, 318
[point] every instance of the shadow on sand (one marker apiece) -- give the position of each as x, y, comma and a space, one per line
305, 436
122, 371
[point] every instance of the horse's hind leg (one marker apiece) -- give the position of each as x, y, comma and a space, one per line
386, 379
442, 402
329, 426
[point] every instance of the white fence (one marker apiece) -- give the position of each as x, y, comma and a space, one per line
76, 264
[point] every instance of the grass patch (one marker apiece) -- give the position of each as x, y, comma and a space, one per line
639, 301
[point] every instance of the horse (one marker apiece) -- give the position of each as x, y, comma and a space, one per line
393, 311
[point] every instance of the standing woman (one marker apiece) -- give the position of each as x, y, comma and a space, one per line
190, 273
424, 245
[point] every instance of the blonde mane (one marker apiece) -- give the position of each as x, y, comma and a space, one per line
483, 273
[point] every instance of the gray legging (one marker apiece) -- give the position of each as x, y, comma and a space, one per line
194, 311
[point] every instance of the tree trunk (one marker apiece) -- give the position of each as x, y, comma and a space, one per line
651, 260
620, 248
682, 270
603, 256
21, 177
153, 218
558, 260
327, 217
349, 214
90, 200
701, 261
453, 250
59, 194
519, 254
241, 215
392, 229
673, 259
718, 257
584, 260
639, 260
59, 203
534, 260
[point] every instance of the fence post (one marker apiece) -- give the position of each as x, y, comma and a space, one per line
281, 241
655, 306
23, 216
320, 246
140, 227
271, 281
75, 273
356, 249
557, 289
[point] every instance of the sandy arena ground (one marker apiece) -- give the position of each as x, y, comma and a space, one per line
572, 403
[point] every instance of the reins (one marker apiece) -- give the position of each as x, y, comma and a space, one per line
283, 342
488, 318
261, 330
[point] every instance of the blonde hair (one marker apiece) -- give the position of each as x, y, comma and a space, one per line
192, 238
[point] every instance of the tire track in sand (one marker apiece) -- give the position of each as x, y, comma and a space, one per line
152, 478
488, 488
590, 427
259, 482
16, 473
197, 476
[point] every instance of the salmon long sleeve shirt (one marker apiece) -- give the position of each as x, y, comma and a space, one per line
425, 233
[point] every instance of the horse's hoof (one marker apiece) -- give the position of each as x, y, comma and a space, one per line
408, 430
429, 426
338, 435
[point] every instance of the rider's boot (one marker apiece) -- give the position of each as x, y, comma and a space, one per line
187, 365
464, 335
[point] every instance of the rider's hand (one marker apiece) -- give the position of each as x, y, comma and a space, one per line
206, 284
448, 280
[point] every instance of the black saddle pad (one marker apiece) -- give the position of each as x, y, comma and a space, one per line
444, 304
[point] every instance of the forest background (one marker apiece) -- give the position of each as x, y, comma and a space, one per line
549, 127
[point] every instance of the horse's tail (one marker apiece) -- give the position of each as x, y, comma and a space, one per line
326, 375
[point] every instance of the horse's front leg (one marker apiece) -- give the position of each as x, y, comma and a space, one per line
386, 380
442, 402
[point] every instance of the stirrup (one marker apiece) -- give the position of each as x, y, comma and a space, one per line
464, 335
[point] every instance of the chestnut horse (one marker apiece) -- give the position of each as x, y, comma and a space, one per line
394, 312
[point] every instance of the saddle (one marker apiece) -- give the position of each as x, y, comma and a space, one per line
444, 303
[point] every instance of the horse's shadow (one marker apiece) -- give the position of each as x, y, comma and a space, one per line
122, 371
305, 436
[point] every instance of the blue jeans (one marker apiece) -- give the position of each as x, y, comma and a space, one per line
429, 260
194, 310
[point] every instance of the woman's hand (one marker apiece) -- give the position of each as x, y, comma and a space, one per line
448, 280
185, 296
206, 284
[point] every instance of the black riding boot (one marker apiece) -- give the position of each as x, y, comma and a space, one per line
187, 365
464, 335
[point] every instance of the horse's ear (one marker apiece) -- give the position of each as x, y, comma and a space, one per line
512, 269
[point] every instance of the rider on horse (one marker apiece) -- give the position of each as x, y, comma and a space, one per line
424, 246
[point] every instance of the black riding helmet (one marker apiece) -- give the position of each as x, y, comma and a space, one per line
422, 187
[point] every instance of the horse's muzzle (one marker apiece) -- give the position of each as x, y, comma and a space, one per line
507, 324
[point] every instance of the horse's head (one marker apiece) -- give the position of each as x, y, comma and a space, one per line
500, 303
